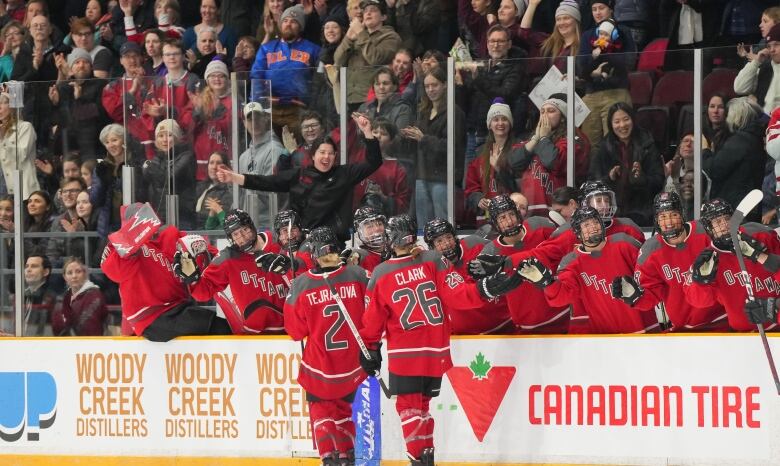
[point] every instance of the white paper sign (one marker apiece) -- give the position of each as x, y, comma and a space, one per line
553, 82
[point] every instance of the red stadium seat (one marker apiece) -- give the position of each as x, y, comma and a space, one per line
641, 87
674, 88
656, 120
720, 80
652, 57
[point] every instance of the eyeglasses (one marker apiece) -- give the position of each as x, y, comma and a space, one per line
497, 42
13, 33
311, 126
70, 191
82, 34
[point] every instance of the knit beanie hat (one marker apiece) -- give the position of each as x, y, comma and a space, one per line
610, 3
558, 101
774, 34
607, 26
216, 66
521, 6
169, 125
570, 8
296, 13
78, 54
499, 108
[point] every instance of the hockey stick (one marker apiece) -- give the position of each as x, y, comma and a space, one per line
355, 333
289, 248
747, 204
556, 218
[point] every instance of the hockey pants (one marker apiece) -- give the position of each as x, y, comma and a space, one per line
332, 424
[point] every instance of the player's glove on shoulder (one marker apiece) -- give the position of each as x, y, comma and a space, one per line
751, 247
626, 289
535, 272
374, 364
485, 265
274, 263
185, 267
498, 284
705, 267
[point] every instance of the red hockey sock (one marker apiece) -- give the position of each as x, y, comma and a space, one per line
344, 427
416, 422
323, 425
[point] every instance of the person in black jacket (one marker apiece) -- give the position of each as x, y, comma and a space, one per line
737, 166
321, 193
629, 161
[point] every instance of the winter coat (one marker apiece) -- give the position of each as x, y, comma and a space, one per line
634, 11
395, 109
212, 134
82, 313
619, 62
19, 142
634, 196
431, 150
82, 118
416, 22
362, 55
181, 181
206, 189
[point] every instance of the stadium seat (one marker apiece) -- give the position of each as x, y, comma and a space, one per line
656, 120
652, 57
641, 87
720, 80
673, 90
685, 121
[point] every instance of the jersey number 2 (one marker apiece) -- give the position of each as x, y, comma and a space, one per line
330, 336
431, 306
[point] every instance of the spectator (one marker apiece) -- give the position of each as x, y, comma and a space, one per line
715, 128
205, 51
387, 102
565, 201
473, 15
540, 164
769, 18
171, 171
759, 78
39, 298
263, 152
606, 55
97, 16
521, 202
509, 15
87, 168
82, 309
323, 92
39, 211
212, 117
13, 38
416, 22
637, 18
564, 39
58, 247
485, 178
15, 10
168, 15
501, 77
737, 166
737, 25
387, 188
106, 192
154, 65
686, 189
90, 220
52, 172
287, 63
76, 102
269, 29
320, 193
7, 226
367, 43
17, 150
41, 8
127, 17
241, 15
211, 18
402, 69
213, 197
320, 12
629, 162
246, 51
428, 139
312, 129
82, 33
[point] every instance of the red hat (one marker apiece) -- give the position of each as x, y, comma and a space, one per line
774, 33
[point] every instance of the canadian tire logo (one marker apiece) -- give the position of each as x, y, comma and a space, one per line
480, 388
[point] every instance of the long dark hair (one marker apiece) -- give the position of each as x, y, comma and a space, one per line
30, 223
616, 107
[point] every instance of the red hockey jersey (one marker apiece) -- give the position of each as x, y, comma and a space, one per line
587, 277
662, 271
368, 259
409, 298
147, 285
330, 367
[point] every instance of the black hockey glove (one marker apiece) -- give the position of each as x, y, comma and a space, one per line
485, 265
373, 365
535, 272
274, 263
705, 267
761, 311
751, 247
349, 257
498, 284
185, 267
626, 289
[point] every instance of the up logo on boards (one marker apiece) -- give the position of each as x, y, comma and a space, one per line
28, 400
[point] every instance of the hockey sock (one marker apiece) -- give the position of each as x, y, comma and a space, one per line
323, 426
344, 433
416, 422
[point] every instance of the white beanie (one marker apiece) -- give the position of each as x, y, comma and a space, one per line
169, 125
570, 8
499, 108
216, 66
607, 26
557, 101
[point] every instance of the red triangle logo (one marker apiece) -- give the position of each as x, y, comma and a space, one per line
481, 388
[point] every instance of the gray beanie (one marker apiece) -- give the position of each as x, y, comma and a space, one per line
78, 54
296, 13
557, 101
570, 8
499, 108
521, 5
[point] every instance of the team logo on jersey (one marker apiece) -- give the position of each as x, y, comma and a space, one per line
454, 279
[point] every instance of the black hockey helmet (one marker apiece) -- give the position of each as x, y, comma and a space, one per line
401, 231
438, 227
282, 222
234, 221
323, 241
497, 206
709, 212
590, 189
668, 202
377, 241
579, 217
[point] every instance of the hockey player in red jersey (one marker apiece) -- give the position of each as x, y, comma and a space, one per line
527, 305
493, 317
408, 299
370, 229
716, 276
330, 371
664, 265
587, 274
154, 301
290, 237
258, 295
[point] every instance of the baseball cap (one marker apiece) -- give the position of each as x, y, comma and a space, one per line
255, 107
377, 3
129, 47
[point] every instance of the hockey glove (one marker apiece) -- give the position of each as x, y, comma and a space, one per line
535, 272
349, 257
498, 284
374, 364
274, 263
626, 289
485, 265
760, 311
705, 267
751, 247
185, 267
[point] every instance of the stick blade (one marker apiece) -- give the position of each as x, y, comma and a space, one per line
556, 218
750, 201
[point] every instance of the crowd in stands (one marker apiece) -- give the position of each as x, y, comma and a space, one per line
144, 86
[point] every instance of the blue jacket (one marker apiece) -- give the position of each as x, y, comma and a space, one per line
288, 66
